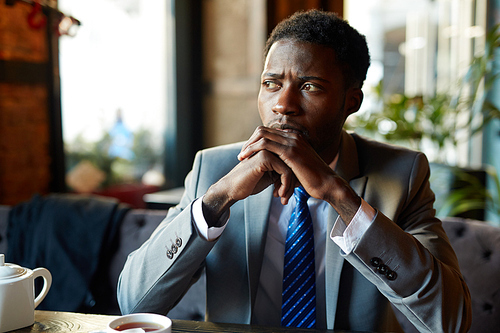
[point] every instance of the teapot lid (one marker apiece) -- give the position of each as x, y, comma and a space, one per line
9, 270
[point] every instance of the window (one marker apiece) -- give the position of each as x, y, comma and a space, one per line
114, 94
421, 49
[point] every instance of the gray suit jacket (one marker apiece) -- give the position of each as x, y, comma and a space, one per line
405, 235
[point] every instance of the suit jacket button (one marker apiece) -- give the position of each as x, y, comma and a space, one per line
178, 242
174, 249
170, 255
391, 275
383, 269
376, 262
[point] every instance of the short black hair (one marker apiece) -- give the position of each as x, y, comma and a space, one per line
327, 29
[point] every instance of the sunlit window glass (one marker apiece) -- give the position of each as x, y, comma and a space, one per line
113, 86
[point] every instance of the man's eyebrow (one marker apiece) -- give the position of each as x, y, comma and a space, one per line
273, 75
302, 78
312, 78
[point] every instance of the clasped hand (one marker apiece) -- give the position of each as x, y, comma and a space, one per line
280, 158
286, 160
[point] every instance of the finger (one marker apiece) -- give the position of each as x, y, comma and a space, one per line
283, 192
281, 175
289, 190
286, 182
285, 185
253, 138
265, 138
288, 194
277, 185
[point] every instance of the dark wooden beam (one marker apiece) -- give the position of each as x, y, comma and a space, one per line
20, 72
184, 134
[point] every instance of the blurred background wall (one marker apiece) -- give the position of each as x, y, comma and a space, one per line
114, 97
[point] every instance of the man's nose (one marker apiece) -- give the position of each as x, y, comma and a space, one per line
288, 101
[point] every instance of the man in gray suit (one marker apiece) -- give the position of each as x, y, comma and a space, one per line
376, 239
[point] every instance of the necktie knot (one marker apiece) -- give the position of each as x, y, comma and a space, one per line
301, 195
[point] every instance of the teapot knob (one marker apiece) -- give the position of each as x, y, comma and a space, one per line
9, 270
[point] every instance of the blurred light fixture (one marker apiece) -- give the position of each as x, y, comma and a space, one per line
40, 9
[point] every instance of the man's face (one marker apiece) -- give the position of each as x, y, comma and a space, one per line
303, 90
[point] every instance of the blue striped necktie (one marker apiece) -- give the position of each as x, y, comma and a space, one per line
299, 283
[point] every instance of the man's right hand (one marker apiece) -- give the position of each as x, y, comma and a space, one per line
250, 176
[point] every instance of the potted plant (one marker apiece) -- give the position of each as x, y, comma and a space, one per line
437, 124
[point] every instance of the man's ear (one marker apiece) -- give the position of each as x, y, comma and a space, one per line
354, 98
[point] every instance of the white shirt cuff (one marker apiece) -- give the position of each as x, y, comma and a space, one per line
207, 233
347, 237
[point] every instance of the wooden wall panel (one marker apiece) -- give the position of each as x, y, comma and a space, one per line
24, 142
25, 157
18, 41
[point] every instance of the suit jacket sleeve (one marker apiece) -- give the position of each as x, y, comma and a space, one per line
428, 287
150, 282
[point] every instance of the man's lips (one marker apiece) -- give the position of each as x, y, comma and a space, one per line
291, 130
287, 128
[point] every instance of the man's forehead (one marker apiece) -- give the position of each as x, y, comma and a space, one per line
302, 56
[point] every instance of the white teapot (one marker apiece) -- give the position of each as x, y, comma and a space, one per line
17, 299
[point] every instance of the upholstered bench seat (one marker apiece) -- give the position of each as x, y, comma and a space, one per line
477, 245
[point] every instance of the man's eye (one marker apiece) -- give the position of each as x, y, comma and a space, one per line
310, 87
270, 85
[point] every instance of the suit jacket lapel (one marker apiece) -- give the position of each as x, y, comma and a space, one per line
347, 168
256, 216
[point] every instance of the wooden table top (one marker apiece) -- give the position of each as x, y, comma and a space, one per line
55, 322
